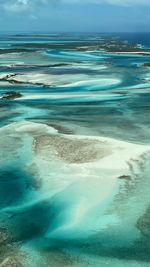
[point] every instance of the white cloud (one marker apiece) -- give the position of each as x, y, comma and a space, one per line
17, 5
111, 2
22, 5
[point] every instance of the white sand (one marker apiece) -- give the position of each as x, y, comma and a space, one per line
68, 174
47, 79
103, 82
121, 152
65, 80
70, 96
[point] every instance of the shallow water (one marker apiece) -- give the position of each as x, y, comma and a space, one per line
61, 200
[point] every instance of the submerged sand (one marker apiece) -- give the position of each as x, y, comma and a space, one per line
80, 156
81, 186
60, 80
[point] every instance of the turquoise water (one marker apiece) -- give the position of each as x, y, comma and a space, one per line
58, 205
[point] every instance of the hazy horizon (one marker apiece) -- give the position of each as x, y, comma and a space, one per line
73, 16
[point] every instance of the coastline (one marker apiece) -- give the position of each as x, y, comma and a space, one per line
144, 53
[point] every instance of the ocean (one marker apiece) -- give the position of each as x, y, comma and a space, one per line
74, 149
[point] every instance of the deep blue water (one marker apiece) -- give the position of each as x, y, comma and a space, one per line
137, 38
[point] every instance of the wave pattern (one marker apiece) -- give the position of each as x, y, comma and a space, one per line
74, 153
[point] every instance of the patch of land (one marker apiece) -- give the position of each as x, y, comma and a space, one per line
11, 95
107, 44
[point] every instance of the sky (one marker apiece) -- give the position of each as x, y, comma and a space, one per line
75, 15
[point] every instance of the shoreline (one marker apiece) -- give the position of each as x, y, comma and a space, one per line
140, 53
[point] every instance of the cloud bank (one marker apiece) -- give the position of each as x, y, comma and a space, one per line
23, 5
111, 2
